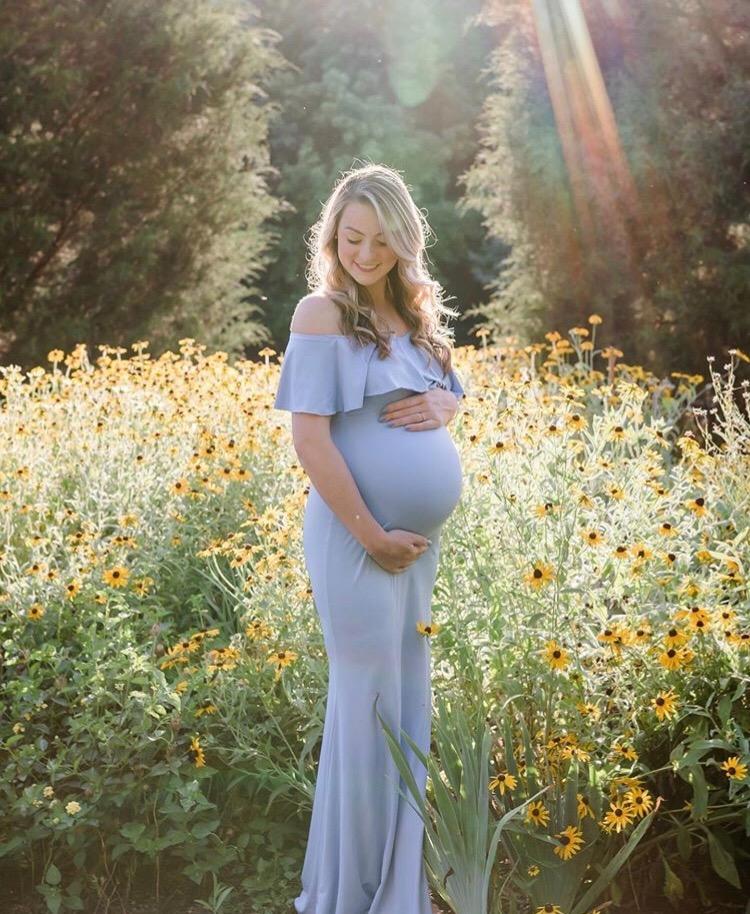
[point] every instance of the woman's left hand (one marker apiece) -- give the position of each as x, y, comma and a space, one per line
435, 407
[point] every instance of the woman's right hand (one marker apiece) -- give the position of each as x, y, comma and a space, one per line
397, 549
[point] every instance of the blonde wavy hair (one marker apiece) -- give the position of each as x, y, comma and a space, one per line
416, 296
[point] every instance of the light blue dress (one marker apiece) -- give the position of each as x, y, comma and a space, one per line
364, 852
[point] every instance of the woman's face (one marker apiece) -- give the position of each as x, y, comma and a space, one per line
361, 244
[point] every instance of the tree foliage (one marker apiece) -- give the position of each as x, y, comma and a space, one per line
134, 163
383, 82
670, 275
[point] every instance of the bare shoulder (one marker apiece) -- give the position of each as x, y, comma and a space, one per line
315, 313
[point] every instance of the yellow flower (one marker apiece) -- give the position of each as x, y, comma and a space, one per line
665, 704
72, 807
571, 840
36, 611
205, 708
639, 801
432, 629
541, 573
618, 817
584, 806
533, 870
72, 588
592, 537
503, 781
258, 629
199, 757
222, 658
625, 750
697, 506
734, 768
674, 658
49, 792
117, 576
180, 486
549, 909
537, 813
556, 655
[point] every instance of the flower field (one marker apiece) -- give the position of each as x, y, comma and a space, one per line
163, 676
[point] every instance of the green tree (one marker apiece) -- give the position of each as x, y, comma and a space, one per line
134, 163
657, 243
376, 81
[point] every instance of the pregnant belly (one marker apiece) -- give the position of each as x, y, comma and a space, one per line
409, 480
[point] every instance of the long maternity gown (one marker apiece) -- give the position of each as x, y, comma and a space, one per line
365, 844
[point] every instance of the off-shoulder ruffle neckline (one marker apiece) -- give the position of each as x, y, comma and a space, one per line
341, 336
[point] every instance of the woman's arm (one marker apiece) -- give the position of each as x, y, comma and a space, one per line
319, 456
329, 473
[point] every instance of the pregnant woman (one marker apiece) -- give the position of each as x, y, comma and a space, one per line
368, 379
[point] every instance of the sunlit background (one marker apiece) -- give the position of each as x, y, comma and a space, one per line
162, 164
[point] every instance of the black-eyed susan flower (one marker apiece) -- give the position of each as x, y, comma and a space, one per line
587, 709
257, 629
281, 659
540, 574
202, 635
206, 708
533, 870
556, 655
674, 658
575, 421
641, 552
35, 611
73, 588
592, 537
584, 807
537, 813
197, 753
735, 769
549, 909
428, 629
503, 781
665, 704
696, 505
625, 751
142, 586
571, 841
222, 658
618, 817
579, 753
639, 801
676, 637
667, 529
116, 576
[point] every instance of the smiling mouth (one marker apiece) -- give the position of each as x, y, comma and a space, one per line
366, 269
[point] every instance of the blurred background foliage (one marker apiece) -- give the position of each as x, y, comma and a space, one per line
162, 164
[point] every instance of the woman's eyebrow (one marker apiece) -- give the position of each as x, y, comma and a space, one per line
352, 229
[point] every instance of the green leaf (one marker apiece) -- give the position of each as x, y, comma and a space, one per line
201, 830
673, 887
53, 875
606, 878
133, 830
722, 861
684, 844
